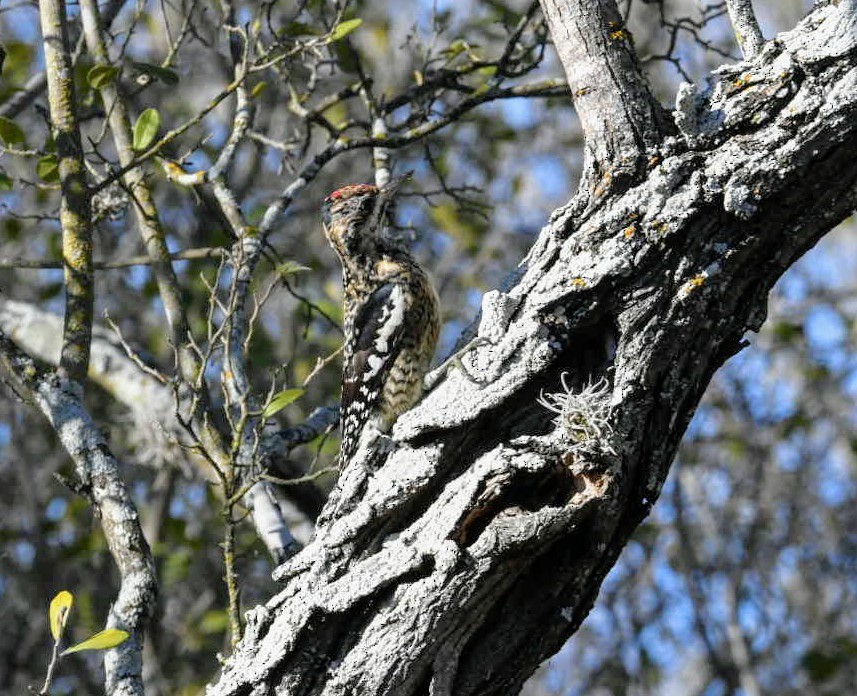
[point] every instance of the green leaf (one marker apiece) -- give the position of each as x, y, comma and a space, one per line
108, 638
10, 131
48, 169
343, 29
165, 75
5, 181
455, 48
787, 331
288, 268
58, 613
146, 128
99, 76
176, 567
19, 60
281, 400
331, 309
258, 89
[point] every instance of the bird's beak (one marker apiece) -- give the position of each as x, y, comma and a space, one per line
392, 186
386, 196
325, 215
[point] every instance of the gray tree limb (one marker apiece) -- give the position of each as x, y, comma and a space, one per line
746, 26
60, 401
620, 117
75, 205
456, 555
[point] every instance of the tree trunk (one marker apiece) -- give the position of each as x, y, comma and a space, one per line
456, 555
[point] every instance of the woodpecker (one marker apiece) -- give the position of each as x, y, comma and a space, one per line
392, 316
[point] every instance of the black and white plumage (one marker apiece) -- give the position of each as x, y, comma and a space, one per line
392, 315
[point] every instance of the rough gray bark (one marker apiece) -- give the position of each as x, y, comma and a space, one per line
620, 117
60, 400
75, 207
747, 31
456, 555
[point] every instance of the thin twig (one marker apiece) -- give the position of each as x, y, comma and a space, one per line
307, 478
133, 356
321, 363
186, 255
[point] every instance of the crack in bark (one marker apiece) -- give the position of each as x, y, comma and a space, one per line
675, 268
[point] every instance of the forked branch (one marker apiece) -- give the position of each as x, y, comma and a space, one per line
621, 119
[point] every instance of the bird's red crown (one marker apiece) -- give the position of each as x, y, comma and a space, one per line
349, 191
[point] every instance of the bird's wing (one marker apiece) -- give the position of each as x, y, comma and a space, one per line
376, 342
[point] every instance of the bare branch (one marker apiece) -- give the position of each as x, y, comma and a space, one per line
381, 153
145, 210
746, 26
542, 88
258, 495
320, 421
59, 400
187, 255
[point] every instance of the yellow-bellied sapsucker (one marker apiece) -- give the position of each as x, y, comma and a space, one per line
392, 317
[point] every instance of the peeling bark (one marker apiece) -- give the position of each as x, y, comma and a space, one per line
456, 555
